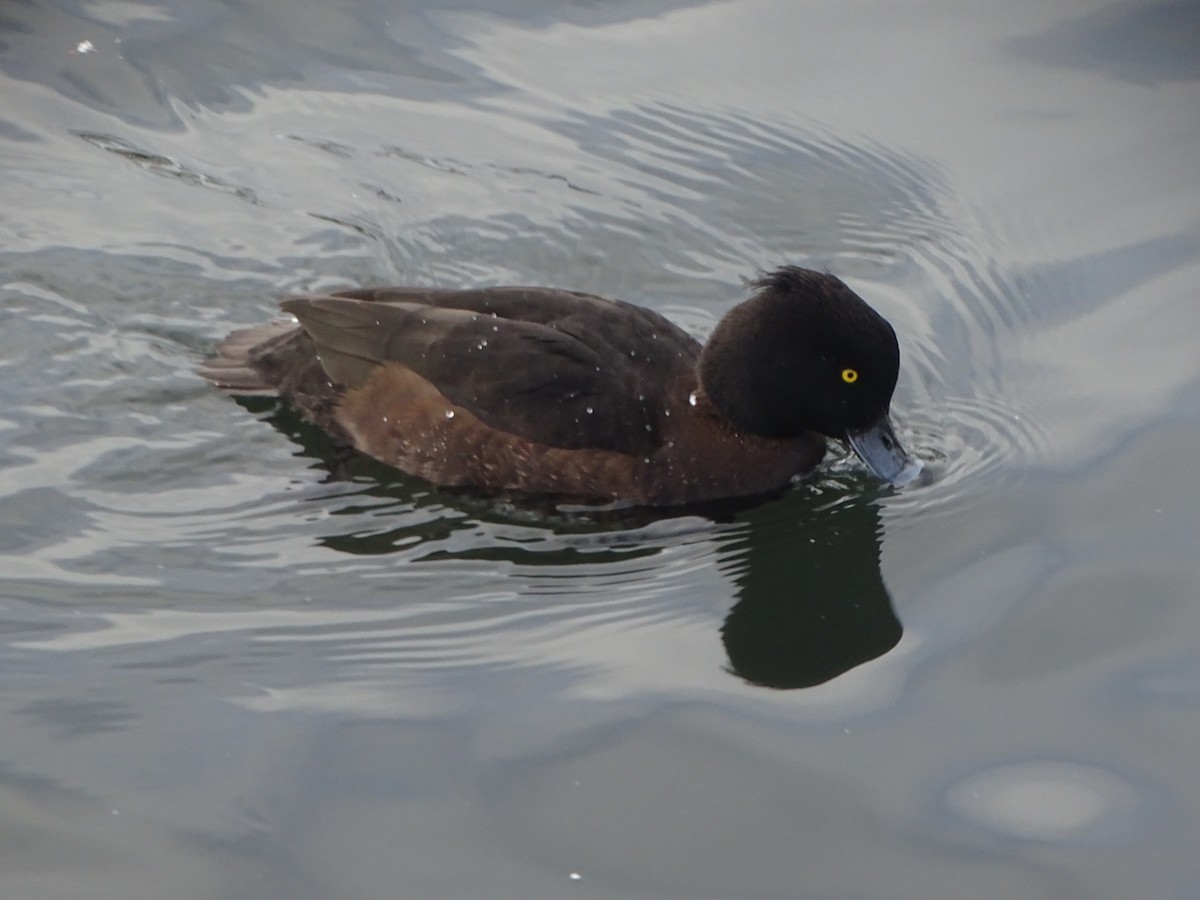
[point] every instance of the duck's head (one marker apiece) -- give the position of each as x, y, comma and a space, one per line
805, 353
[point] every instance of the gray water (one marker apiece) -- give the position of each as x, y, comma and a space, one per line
234, 668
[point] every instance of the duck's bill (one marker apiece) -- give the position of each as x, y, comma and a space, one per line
880, 449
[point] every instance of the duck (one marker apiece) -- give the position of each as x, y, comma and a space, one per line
551, 392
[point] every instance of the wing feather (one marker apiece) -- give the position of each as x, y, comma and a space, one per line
560, 368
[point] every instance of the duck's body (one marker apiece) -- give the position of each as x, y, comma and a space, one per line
544, 391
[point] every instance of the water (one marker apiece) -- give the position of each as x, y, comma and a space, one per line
236, 665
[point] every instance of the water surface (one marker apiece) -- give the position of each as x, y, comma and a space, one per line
235, 667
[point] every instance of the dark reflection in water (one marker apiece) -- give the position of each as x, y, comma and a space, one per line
810, 602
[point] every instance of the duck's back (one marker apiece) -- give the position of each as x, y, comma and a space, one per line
558, 368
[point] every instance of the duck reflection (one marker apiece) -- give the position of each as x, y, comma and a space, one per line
810, 601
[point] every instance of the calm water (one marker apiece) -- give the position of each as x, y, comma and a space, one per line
229, 671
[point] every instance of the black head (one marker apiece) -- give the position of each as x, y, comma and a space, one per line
805, 353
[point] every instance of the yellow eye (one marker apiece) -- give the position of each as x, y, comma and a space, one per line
849, 375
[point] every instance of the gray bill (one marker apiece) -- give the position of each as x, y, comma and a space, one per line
880, 449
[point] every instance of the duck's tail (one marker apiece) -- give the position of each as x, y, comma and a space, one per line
232, 365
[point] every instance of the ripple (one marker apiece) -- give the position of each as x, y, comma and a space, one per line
165, 166
970, 446
453, 614
963, 403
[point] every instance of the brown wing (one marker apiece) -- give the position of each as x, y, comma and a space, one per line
559, 368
